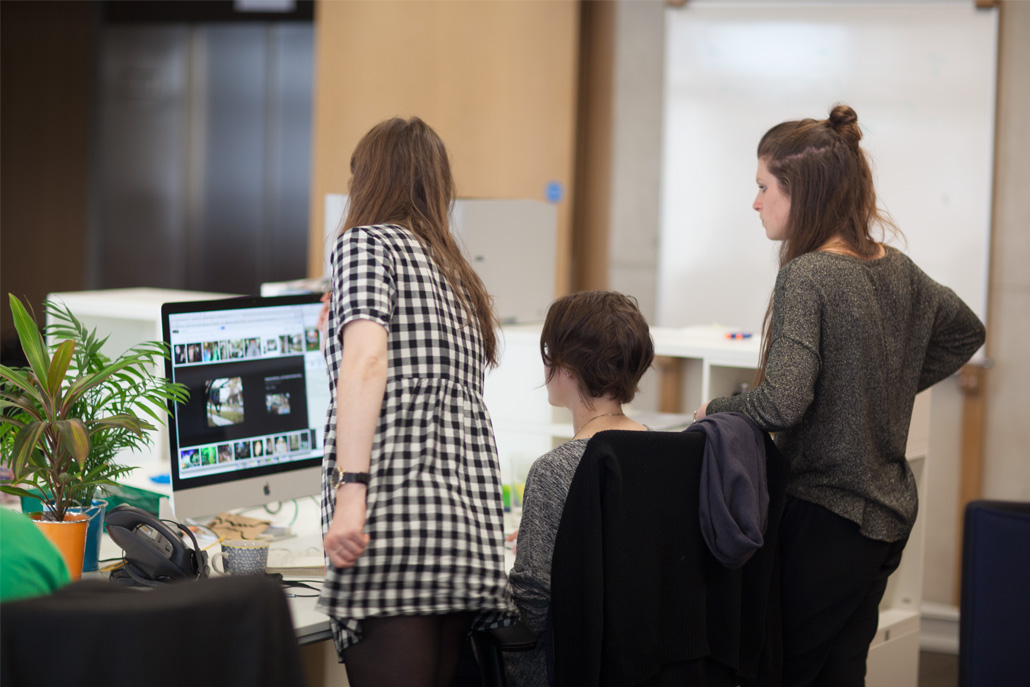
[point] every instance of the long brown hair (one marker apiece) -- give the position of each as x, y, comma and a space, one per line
400, 174
826, 174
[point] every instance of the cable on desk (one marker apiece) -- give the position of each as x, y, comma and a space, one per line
210, 534
297, 584
112, 565
296, 513
278, 507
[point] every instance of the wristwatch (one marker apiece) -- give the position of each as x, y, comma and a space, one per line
338, 477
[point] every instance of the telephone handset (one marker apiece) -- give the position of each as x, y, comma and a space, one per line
155, 554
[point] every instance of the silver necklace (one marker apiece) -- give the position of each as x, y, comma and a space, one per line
583, 426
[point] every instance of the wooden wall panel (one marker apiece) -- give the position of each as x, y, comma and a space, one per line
591, 221
497, 80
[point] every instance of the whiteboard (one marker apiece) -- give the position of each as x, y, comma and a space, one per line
920, 75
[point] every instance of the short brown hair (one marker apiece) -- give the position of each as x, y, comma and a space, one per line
602, 339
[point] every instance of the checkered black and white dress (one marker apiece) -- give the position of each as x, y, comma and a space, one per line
434, 510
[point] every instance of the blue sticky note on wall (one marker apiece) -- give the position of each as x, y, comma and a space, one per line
554, 192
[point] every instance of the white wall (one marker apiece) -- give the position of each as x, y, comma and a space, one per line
638, 61
914, 73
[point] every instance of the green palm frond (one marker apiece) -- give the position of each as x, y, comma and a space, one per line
65, 417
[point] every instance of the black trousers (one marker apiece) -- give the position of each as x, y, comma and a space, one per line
833, 581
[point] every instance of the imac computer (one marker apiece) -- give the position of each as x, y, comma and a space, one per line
253, 429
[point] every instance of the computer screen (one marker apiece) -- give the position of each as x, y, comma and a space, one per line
253, 429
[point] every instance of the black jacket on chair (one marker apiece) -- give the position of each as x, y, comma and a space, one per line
224, 632
637, 597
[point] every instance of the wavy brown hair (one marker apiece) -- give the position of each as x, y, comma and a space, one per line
400, 174
602, 338
826, 174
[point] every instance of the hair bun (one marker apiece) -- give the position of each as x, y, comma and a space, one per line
844, 121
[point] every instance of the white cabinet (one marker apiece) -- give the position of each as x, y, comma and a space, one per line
526, 426
511, 244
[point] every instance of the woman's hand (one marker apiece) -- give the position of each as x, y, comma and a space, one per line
701, 412
322, 324
346, 539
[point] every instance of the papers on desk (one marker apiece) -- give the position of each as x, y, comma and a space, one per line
307, 563
236, 526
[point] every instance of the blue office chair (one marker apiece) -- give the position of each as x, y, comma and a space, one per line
994, 626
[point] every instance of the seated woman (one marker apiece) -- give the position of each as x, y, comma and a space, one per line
595, 346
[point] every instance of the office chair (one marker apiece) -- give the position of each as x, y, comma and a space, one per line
220, 632
994, 621
636, 595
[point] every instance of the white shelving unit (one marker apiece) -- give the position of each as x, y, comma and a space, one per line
526, 426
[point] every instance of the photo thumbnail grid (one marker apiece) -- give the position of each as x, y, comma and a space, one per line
228, 350
256, 451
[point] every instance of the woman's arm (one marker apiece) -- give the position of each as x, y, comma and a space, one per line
359, 397
530, 577
957, 334
793, 366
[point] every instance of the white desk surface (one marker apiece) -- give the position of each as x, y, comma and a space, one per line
706, 342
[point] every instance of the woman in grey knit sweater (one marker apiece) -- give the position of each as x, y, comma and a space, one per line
596, 346
854, 331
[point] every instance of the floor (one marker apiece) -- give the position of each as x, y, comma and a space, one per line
938, 670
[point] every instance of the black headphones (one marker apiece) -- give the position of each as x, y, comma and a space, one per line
155, 554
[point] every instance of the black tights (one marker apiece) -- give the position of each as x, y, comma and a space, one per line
407, 651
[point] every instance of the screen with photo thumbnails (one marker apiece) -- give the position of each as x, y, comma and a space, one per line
258, 390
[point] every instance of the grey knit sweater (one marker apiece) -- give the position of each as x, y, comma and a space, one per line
547, 487
853, 341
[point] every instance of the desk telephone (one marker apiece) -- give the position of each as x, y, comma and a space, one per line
155, 553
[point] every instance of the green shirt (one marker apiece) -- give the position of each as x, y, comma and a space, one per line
30, 565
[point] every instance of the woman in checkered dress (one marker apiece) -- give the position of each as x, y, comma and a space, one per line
411, 503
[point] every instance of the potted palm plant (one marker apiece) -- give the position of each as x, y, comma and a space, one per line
65, 417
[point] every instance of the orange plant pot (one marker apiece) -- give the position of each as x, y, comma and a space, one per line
69, 537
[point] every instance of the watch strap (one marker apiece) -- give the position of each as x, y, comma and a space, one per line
340, 478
